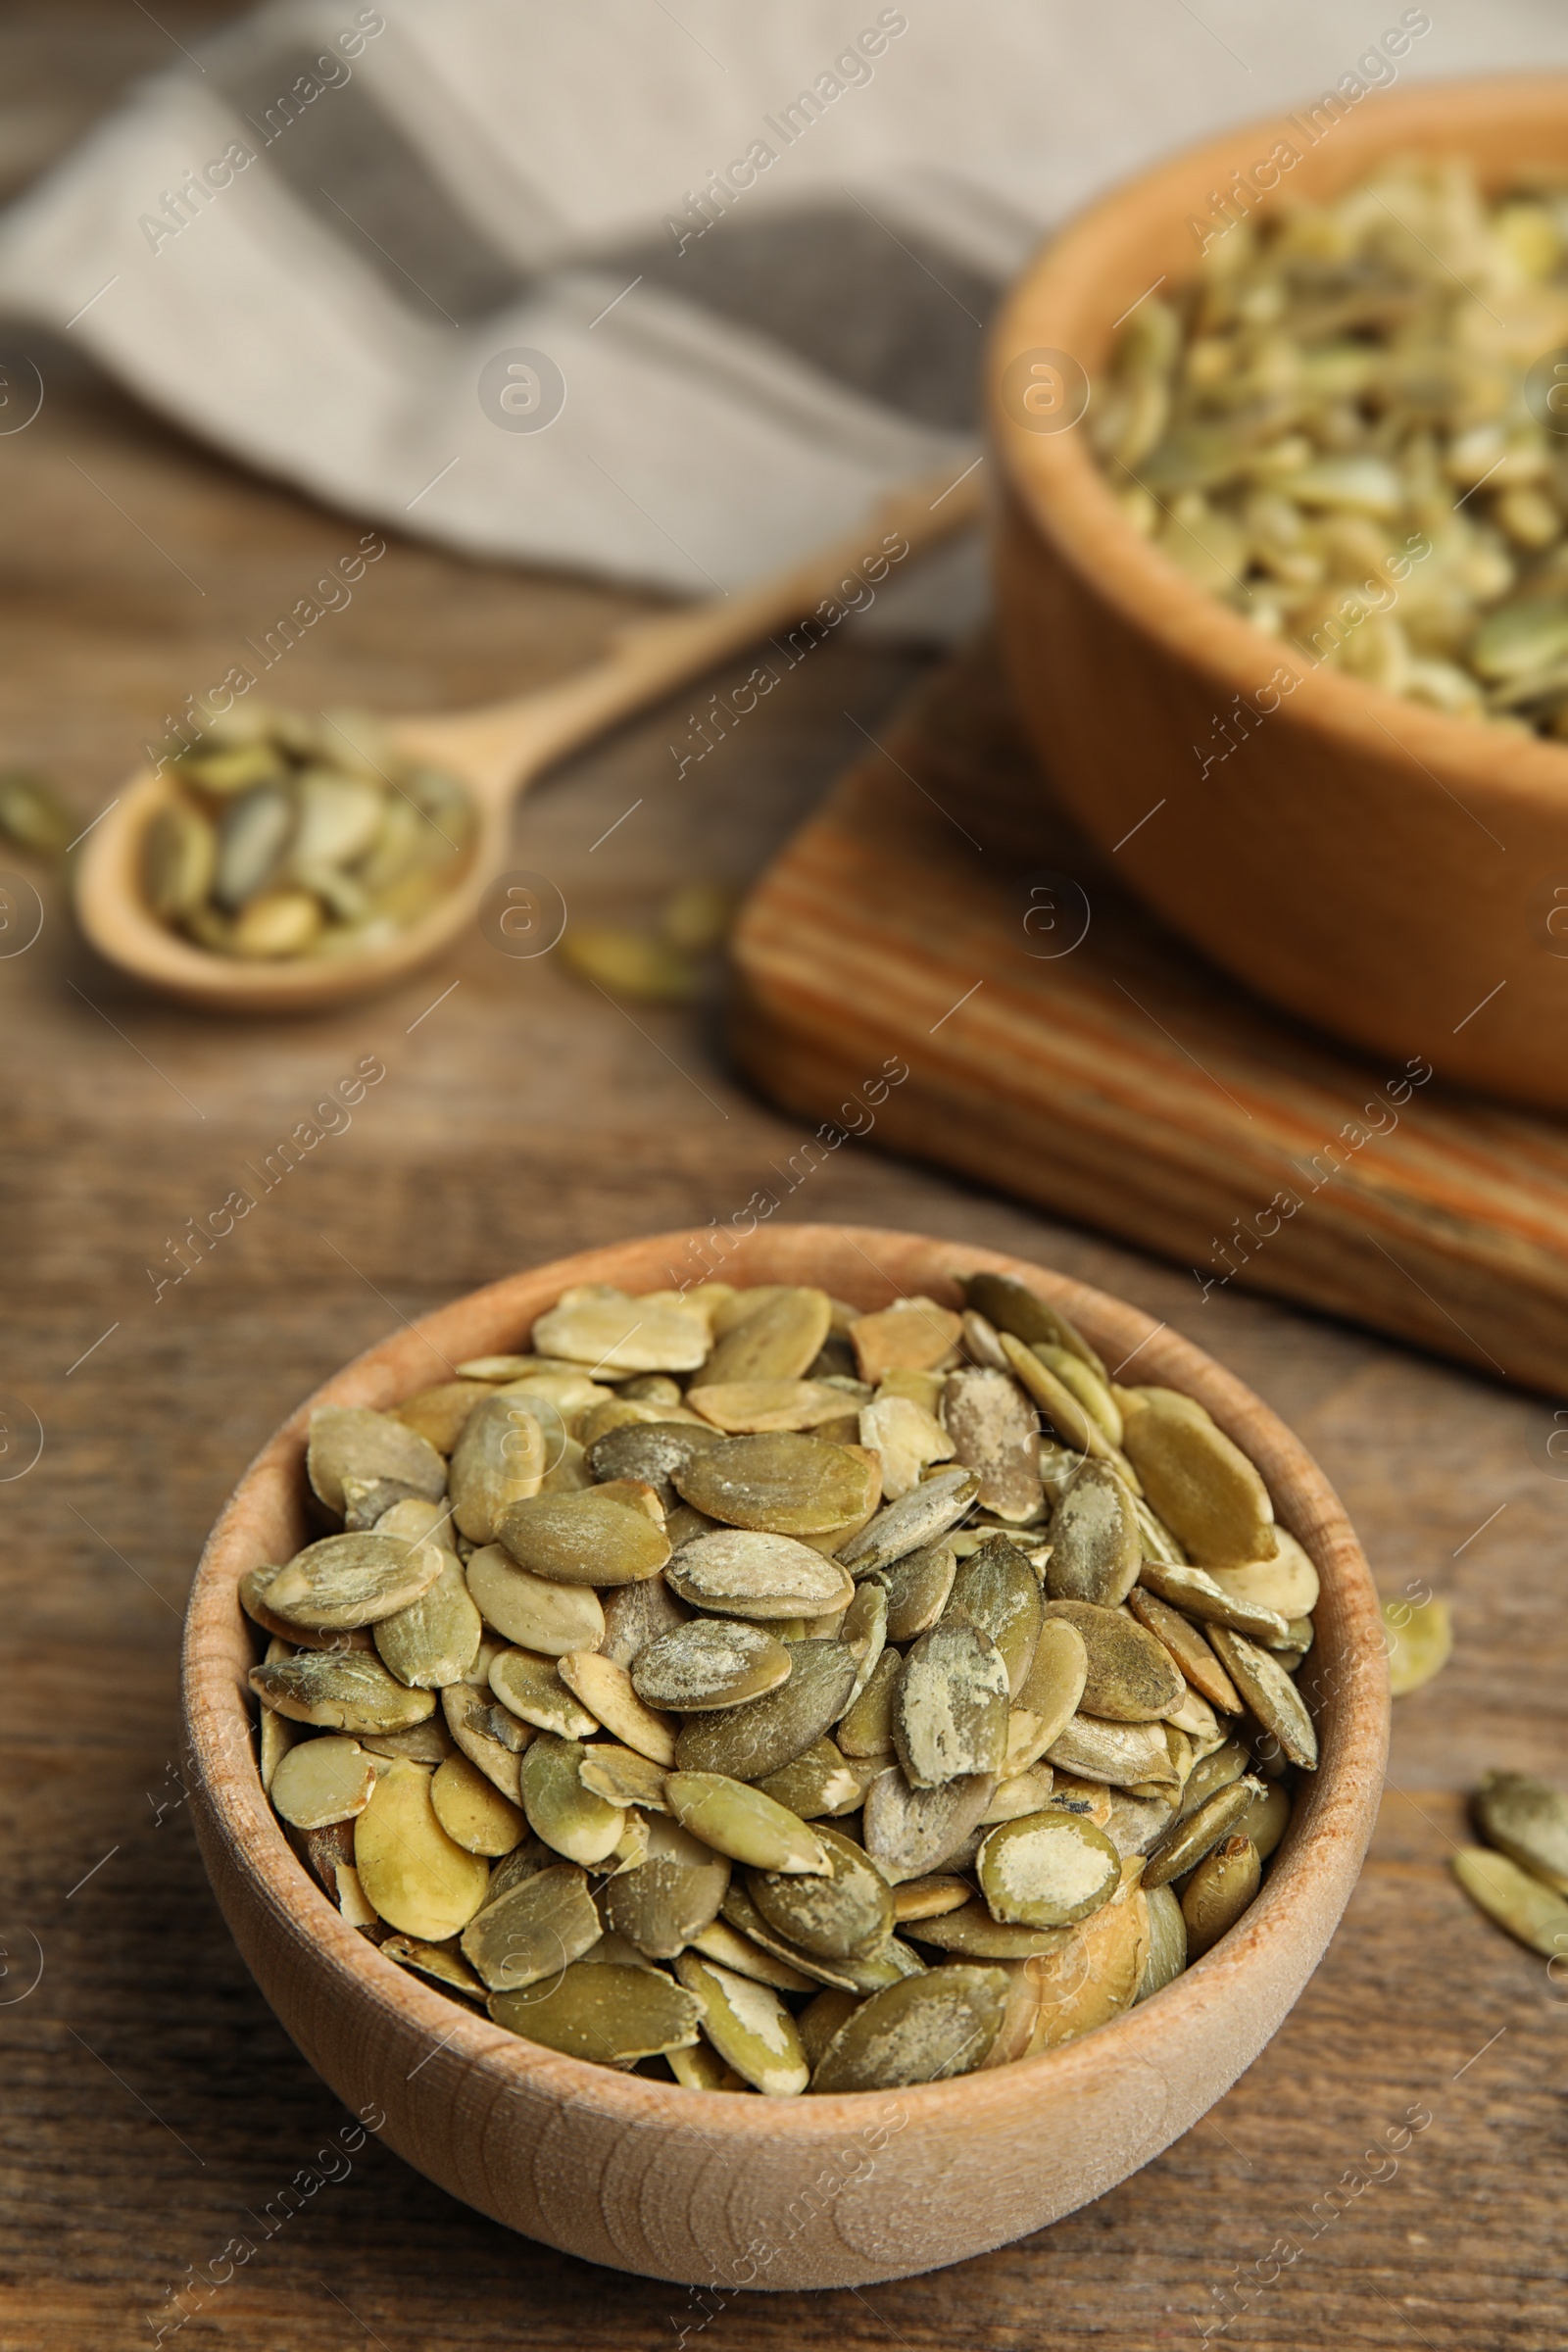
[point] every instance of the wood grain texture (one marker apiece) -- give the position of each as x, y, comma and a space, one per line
1064, 1047
1371, 866
153, 2109
618, 2168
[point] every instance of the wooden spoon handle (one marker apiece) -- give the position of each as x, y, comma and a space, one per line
504, 746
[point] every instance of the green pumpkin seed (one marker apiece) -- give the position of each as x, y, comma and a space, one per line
821, 2019
930, 1899
1197, 1594
561, 1810
1025, 1792
751, 1740
582, 1538
438, 1415
350, 1581
780, 1484
914, 1522
911, 1831
1132, 1677
507, 1446
970, 1932
1267, 1819
913, 1335
1048, 1870
918, 1588
701, 2067
741, 1822
473, 1812
926, 2030
1072, 1423
781, 1341
275, 1740
1126, 1754
712, 1663
1214, 1772
1218, 1892
748, 2025
862, 1972
469, 1719
614, 2016
1086, 1386
345, 1691
840, 1912
534, 1929
1420, 1642
529, 1686
749, 1408
435, 1639
1270, 1694
995, 1429
1201, 1482
864, 1630
252, 1600
351, 1440
820, 1785
622, 1777
720, 1941
1529, 1909
320, 1781
1187, 1645
415, 1876
1010, 1305
650, 1450
1096, 1540
866, 1728
997, 1589
1167, 1943
1051, 1693
1527, 1819
1191, 1835
1135, 1823
437, 1961
1287, 1584
950, 1711
637, 1614
598, 1325
739, 1573
671, 1896
428, 1742
530, 1610
606, 1692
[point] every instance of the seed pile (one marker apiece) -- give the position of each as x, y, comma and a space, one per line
1520, 1877
779, 1698
1338, 430
286, 836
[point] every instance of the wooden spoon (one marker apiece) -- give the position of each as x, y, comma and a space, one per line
495, 752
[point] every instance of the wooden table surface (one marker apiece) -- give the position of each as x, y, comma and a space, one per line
149, 2107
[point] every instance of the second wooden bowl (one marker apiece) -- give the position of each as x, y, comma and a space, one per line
1383, 871
732, 2193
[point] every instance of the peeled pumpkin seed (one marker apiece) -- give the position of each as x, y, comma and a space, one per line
739, 1821
473, 1812
911, 1335
354, 1440
1216, 1770
1531, 1911
997, 1589
1527, 1819
428, 1742
437, 1961
781, 1341
609, 1331
930, 1899
650, 1450
252, 1600
606, 1692
1026, 1792
1051, 1693
614, 2016
1167, 1941
416, 1877
528, 1686
439, 1414
468, 1714
322, 1781
1135, 1825
568, 1816
1187, 1645
1202, 1484
971, 1931
349, 1581
1197, 1594
748, 2025
926, 2030
671, 1896
1009, 1305
343, 1690
275, 1740
1096, 1540
1131, 1678
435, 1639
1287, 1584
831, 1914
739, 1573
1048, 1870
911, 1831
819, 1785
1095, 1974
582, 1538
1270, 1694
720, 1941
950, 1711
866, 1727
501, 1457
1191, 1835
622, 1777
1126, 1754
635, 1615
1086, 1386
749, 1742
712, 1663
1420, 1642
748, 1407
905, 1438
779, 1483
915, 1521
1218, 1892
531, 1610
1071, 1421
532, 1931
864, 1630
1267, 1819
820, 2020
995, 1433
701, 2067
918, 1588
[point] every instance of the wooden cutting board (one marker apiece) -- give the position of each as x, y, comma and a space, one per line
941, 909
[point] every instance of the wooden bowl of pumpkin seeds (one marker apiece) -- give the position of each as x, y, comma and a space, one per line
1283, 564
783, 1761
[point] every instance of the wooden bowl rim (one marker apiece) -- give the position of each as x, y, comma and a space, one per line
1316, 1868
1058, 482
